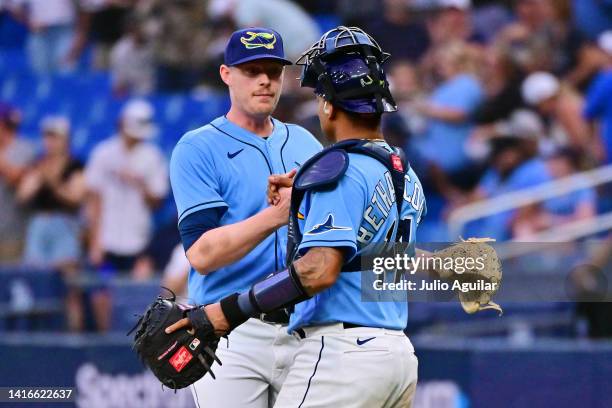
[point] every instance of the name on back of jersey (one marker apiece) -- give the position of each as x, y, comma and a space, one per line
382, 206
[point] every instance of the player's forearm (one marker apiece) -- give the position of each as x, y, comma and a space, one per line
227, 244
314, 272
319, 269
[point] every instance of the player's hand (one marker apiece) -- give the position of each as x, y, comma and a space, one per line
215, 316
280, 210
277, 181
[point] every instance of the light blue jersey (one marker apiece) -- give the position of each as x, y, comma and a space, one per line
358, 215
223, 165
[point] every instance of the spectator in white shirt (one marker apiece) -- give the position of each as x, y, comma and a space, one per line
127, 178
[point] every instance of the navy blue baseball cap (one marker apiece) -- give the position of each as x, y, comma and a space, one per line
254, 43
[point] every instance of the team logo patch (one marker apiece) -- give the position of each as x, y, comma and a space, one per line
180, 359
167, 351
258, 40
300, 216
194, 344
397, 163
326, 226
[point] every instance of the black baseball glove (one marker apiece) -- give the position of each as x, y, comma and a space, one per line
180, 358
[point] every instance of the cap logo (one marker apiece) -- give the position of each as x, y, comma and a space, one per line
258, 40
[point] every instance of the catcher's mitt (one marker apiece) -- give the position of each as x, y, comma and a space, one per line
483, 276
181, 358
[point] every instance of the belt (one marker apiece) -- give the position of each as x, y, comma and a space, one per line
275, 317
302, 334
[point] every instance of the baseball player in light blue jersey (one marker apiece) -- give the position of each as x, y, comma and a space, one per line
232, 238
346, 202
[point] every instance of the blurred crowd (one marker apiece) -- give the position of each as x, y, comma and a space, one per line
494, 97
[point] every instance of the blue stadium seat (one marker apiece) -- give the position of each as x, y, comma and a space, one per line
18, 87
43, 309
13, 60
13, 34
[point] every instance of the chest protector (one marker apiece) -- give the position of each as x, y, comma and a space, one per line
323, 171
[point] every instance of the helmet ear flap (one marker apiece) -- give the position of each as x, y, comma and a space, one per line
309, 77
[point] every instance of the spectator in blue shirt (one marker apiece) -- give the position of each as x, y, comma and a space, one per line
449, 109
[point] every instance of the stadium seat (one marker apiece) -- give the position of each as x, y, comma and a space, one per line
32, 299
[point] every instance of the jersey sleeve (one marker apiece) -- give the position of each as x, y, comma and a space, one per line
195, 183
332, 217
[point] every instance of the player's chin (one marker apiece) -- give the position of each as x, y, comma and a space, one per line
264, 107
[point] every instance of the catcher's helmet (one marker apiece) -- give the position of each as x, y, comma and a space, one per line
345, 68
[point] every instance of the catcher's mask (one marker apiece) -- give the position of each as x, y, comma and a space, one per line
345, 68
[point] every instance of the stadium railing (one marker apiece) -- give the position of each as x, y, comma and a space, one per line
460, 217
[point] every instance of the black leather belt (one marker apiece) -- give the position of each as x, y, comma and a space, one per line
275, 317
302, 334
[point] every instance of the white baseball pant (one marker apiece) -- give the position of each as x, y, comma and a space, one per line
254, 367
359, 367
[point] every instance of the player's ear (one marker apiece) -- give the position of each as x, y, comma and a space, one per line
224, 73
330, 110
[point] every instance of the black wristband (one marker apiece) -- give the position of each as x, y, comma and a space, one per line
199, 321
231, 309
